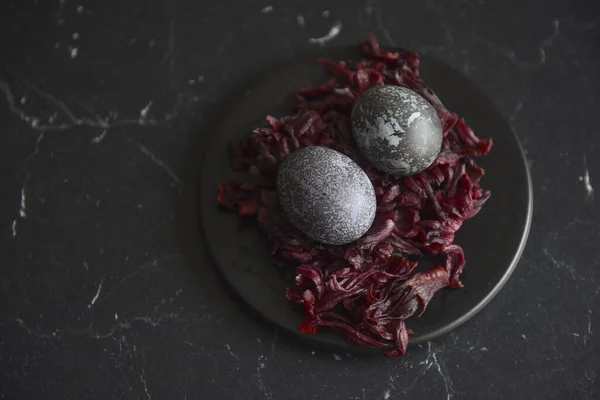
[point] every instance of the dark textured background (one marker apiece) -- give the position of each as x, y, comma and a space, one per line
97, 201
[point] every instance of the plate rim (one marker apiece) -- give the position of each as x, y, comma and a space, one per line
247, 82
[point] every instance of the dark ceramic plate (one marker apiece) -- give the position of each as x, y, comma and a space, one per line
493, 241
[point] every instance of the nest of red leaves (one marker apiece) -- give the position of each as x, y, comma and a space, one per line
368, 288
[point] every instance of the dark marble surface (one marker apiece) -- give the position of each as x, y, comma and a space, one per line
106, 290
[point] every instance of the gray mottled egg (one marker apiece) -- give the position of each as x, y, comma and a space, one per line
326, 195
397, 130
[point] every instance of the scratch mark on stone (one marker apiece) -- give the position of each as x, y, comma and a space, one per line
563, 265
95, 298
589, 328
231, 352
143, 379
100, 137
144, 112
391, 379
69, 117
39, 335
447, 381
586, 180
151, 264
10, 100
23, 202
22, 213
155, 160
258, 377
432, 361
335, 30
53, 100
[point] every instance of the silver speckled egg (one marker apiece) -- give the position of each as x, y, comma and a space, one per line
396, 129
326, 195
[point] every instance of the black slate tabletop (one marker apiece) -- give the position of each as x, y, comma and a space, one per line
106, 288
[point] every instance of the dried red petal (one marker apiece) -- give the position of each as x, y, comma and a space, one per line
319, 90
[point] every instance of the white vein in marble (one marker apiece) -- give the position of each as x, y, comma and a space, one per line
22, 214
97, 295
155, 160
587, 182
63, 112
258, 377
334, 31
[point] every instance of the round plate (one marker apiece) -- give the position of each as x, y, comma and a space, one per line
493, 241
